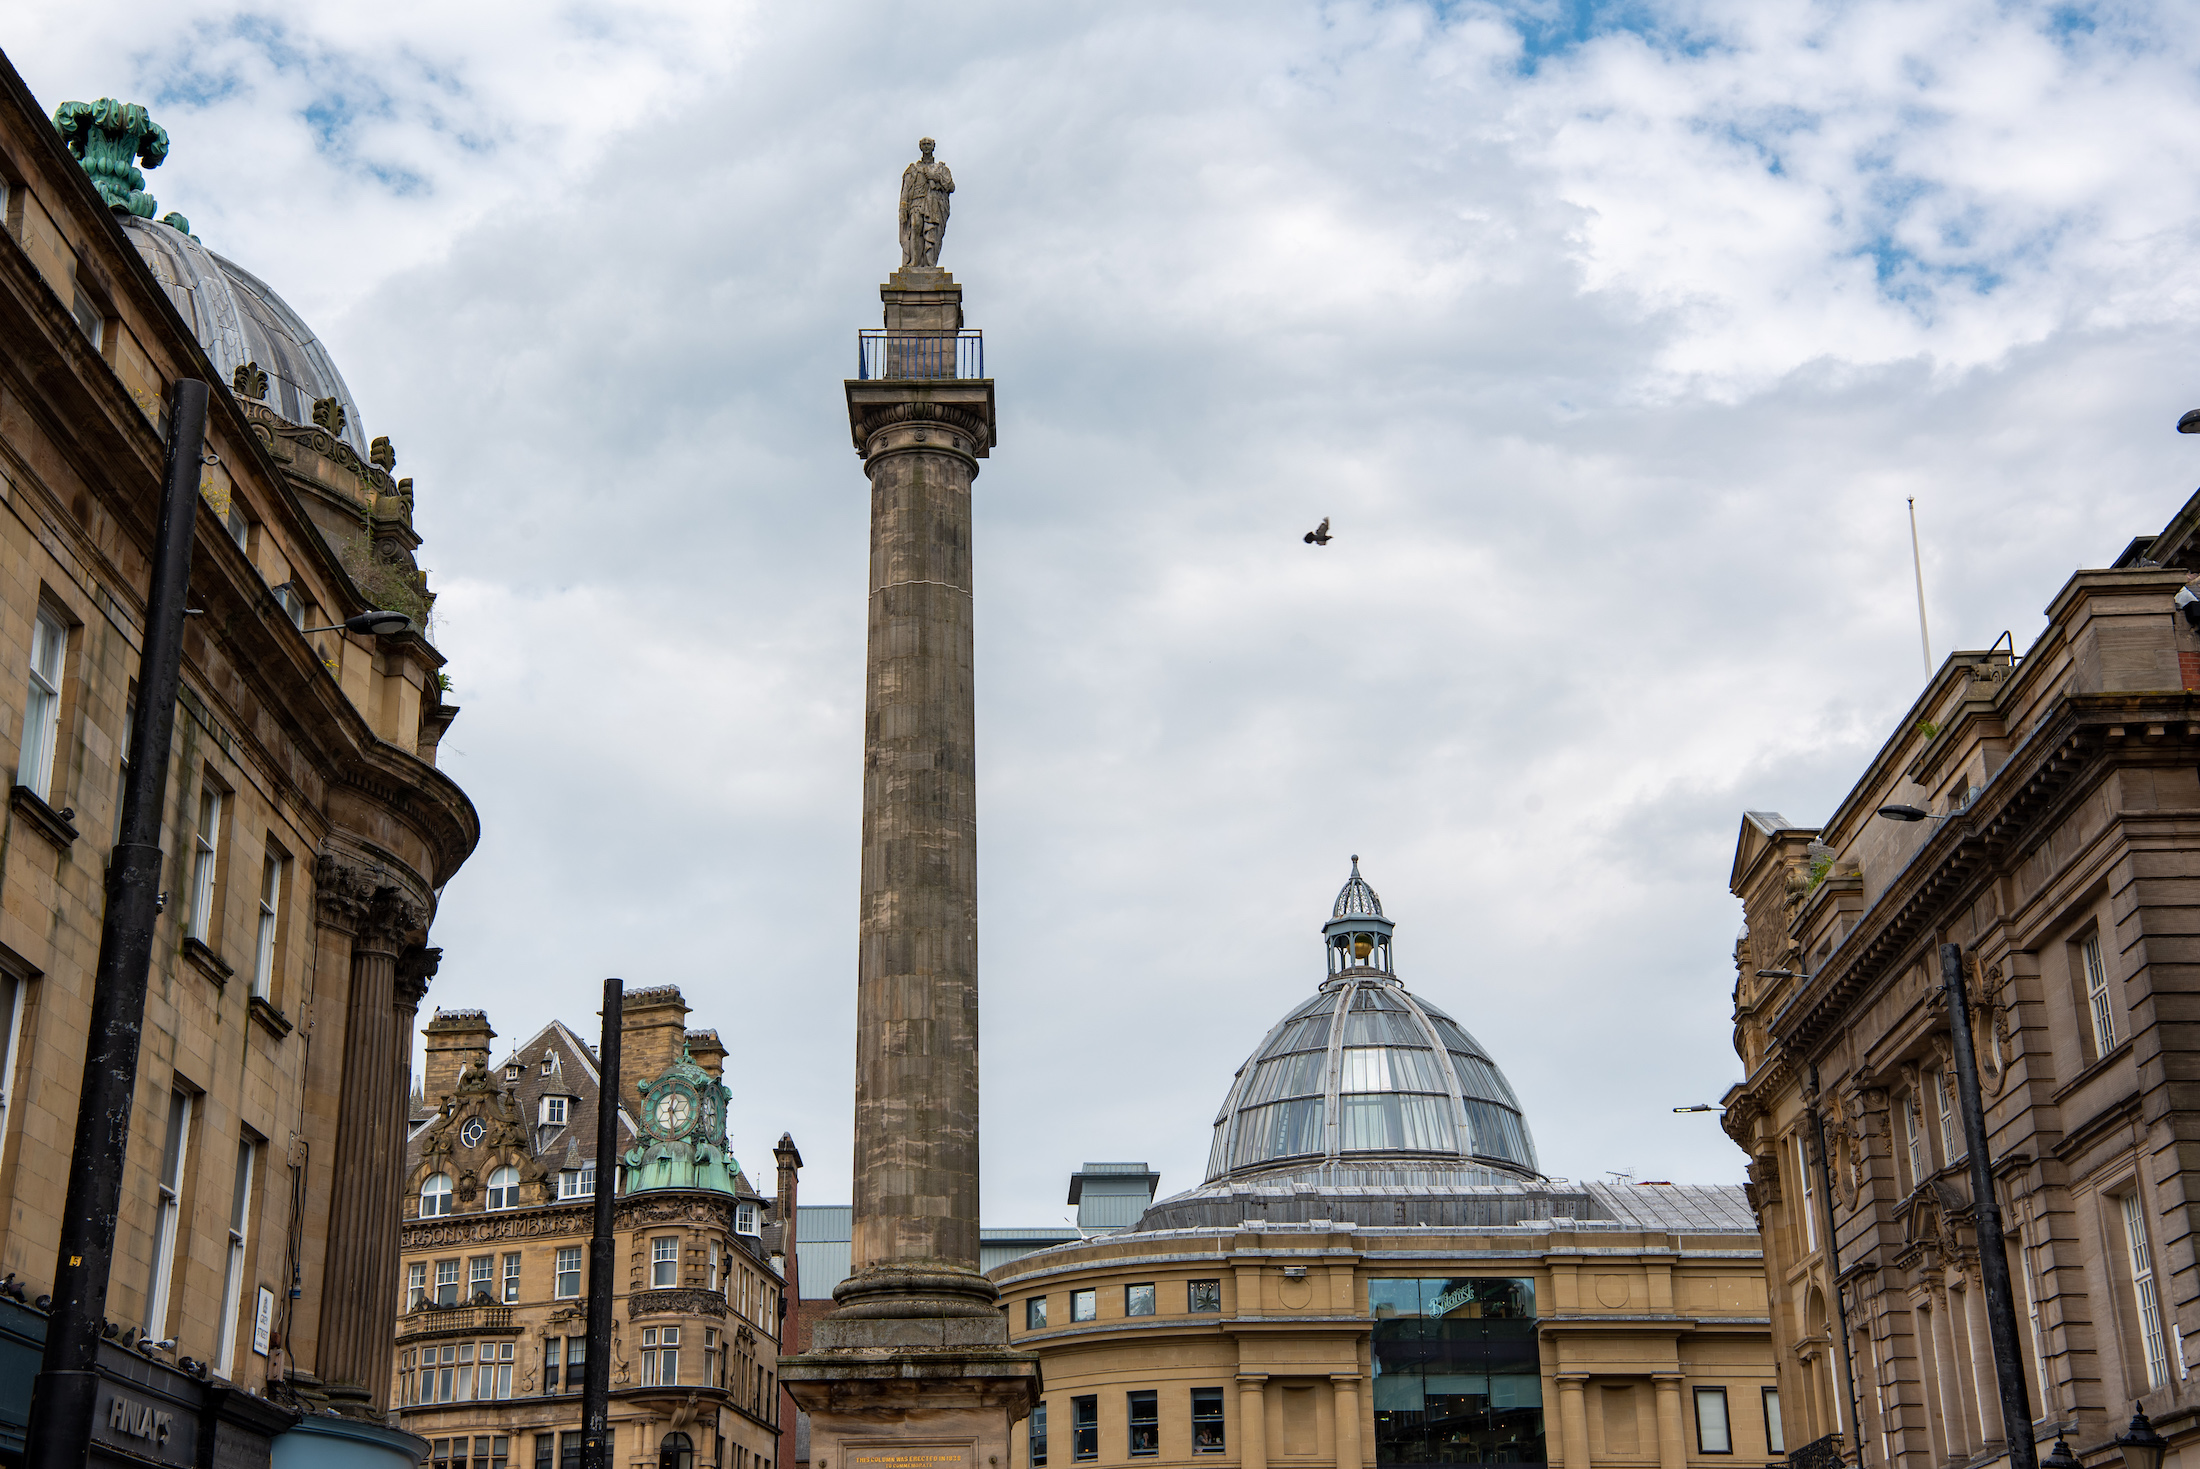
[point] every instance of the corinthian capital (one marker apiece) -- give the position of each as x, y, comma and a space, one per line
416, 965
379, 914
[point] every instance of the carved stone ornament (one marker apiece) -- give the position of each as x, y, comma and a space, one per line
416, 965
684, 1301
110, 139
329, 414
249, 381
377, 912
380, 453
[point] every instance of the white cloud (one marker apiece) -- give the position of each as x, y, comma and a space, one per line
1612, 355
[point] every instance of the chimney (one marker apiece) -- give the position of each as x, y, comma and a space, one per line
455, 1037
652, 1035
709, 1052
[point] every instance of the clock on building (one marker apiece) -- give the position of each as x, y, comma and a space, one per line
472, 1133
675, 1109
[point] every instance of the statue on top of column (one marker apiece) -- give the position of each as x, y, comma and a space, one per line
925, 186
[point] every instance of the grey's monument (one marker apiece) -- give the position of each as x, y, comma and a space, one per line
912, 1370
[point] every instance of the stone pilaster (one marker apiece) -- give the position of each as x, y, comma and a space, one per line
388, 976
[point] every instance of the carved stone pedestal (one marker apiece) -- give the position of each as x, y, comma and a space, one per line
924, 1393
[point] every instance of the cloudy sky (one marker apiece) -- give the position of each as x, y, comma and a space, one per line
1612, 336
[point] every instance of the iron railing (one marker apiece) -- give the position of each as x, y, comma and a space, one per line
905, 355
428, 1319
1819, 1453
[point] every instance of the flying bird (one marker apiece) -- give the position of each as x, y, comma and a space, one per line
1319, 535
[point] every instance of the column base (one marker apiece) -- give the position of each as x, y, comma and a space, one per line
921, 1291
908, 1394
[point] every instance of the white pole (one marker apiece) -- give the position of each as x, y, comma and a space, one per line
1917, 564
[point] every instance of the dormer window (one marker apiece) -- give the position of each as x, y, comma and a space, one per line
744, 1219
435, 1196
577, 1183
504, 1188
553, 1111
513, 1073
550, 1064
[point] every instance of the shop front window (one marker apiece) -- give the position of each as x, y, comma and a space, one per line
1458, 1379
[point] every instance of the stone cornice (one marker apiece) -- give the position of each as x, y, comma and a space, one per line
2062, 757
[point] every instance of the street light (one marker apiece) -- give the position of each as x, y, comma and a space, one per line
381, 622
1700, 1107
2143, 1447
1913, 813
1784, 974
2062, 1458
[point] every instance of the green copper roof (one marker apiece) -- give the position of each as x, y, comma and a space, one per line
684, 1141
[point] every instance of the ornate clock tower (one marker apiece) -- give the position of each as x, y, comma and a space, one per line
683, 1144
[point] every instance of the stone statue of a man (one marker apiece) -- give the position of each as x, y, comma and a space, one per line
925, 186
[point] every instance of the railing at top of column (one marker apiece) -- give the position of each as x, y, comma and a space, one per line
905, 355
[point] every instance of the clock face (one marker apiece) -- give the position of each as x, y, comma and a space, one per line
674, 1111
471, 1133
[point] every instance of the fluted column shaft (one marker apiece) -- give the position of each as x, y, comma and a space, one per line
1672, 1430
1949, 1373
359, 1301
1252, 1422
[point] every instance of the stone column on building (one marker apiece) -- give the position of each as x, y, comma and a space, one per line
1984, 1384
916, 1343
359, 1305
1345, 1387
1573, 1420
1947, 1372
1252, 1420
1672, 1430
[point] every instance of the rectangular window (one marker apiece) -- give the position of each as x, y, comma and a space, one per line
511, 1278
416, 1283
1035, 1314
2100, 1009
1712, 1436
1207, 1420
122, 766
42, 709
553, 1111
446, 1282
240, 1203
710, 1357
713, 1279
552, 1355
481, 1277
2144, 1297
1084, 1427
744, 1219
576, 1363
205, 848
569, 1274
1203, 1295
168, 1212
577, 1183
664, 1263
1775, 1436
569, 1450
660, 1356
1138, 1300
1084, 1305
1038, 1455
1952, 1146
271, 905
1810, 1207
1913, 1141
1145, 1423
1431, 1335
496, 1369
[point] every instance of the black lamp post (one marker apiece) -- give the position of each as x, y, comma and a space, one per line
2062, 1458
2143, 1447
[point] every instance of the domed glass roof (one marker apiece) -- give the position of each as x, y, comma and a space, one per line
1365, 1070
237, 320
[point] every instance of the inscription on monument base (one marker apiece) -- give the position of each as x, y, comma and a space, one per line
909, 1453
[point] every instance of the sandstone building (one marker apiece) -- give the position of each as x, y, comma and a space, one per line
2059, 845
308, 831
1376, 1272
501, 1177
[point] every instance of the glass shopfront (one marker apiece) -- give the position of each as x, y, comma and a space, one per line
1458, 1379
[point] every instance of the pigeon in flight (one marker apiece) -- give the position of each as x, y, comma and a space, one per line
1319, 535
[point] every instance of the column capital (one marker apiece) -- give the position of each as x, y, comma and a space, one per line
1251, 1379
1345, 1379
1666, 1380
361, 901
1574, 1380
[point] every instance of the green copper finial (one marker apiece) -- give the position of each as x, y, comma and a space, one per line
110, 138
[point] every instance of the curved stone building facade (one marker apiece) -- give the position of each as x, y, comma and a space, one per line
1375, 1271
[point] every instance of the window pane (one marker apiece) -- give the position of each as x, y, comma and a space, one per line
1035, 1313
1711, 1433
1203, 1295
1138, 1300
1145, 1424
1457, 1371
1775, 1434
1084, 1306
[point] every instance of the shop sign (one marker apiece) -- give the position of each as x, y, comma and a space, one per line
160, 1432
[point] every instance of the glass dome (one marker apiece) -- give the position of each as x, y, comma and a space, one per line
1364, 1069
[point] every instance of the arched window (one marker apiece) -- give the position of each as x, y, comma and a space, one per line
676, 1452
435, 1195
504, 1189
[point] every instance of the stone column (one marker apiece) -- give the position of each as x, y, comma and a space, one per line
917, 1350
1573, 1420
1985, 1386
1672, 1429
1252, 1421
359, 1291
1345, 1389
1948, 1372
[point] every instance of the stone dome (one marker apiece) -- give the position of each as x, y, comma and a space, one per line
240, 322
1365, 1077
